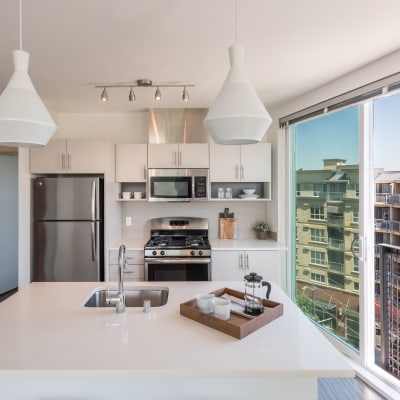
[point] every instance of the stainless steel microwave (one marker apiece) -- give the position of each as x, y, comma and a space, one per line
178, 184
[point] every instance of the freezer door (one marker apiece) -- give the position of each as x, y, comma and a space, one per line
67, 252
67, 198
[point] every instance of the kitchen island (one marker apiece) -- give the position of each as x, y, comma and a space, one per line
52, 347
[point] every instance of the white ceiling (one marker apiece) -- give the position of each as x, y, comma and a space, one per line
291, 46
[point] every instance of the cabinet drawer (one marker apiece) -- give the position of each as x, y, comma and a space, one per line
131, 273
132, 257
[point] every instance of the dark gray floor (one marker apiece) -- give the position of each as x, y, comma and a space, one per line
3, 296
346, 389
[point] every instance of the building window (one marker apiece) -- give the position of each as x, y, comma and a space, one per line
317, 213
298, 191
317, 277
317, 257
317, 235
318, 189
355, 215
356, 264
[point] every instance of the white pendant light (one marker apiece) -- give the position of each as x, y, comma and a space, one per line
237, 115
24, 119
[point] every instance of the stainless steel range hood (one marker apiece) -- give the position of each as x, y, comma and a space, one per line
177, 125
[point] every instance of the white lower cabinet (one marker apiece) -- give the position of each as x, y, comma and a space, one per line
134, 270
233, 265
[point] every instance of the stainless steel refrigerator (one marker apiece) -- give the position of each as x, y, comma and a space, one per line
68, 229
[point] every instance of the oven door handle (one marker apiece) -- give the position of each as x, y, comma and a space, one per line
180, 260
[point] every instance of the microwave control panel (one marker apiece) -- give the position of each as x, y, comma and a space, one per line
200, 187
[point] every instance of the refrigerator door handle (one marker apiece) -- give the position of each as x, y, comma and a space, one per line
93, 208
93, 241
93, 230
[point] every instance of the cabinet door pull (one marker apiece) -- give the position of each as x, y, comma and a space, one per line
179, 158
241, 171
240, 261
144, 172
247, 262
236, 171
174, 161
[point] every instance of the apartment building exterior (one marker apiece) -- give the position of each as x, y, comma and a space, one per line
387, 270
327, 207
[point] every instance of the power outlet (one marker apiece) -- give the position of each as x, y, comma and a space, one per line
128, 221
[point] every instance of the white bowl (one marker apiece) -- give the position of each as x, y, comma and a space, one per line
249, 191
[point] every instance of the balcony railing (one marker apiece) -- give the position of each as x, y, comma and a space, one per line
335, 196
388, 318
335, 220
387, 225
336, 267
336, 244
387, 198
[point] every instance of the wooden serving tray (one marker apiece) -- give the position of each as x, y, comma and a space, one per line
238, 326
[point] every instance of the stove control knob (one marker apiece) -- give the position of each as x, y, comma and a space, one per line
154, 253
192, 253
200, 252
162, 252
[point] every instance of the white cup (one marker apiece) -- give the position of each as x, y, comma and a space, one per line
137, 195
222, 308
204, 302
126, 195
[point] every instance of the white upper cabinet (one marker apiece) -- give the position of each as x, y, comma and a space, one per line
247, 163
68, 156
183, 155
131, 162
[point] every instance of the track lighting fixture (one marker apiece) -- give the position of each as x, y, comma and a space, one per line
144, 83
104, 95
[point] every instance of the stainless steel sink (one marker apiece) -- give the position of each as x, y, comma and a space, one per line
134, 297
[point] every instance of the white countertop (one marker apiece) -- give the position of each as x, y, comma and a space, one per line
46, 327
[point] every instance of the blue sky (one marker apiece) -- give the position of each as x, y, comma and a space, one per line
336, 136
387, 133
331, 136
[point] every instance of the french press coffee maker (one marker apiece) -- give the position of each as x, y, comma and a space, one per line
253, 297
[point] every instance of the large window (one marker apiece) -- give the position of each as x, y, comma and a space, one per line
347, 250
327, 160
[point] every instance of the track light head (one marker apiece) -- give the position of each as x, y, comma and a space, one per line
157, 96
104, 95
185, 95
132, 95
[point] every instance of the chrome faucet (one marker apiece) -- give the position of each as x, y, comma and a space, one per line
119, 298
120, 306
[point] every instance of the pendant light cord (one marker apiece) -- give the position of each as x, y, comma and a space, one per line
236, 20
20, 24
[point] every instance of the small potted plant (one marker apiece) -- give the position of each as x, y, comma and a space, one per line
262, 229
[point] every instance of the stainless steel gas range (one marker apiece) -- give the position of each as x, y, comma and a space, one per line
178, 250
